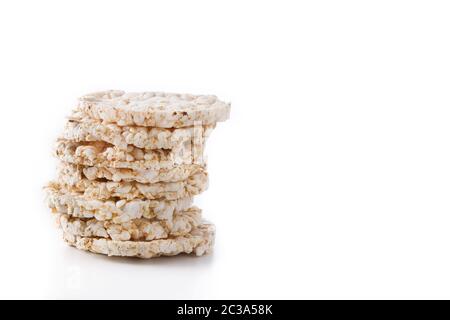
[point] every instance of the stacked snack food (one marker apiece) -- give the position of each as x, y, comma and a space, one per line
130, 164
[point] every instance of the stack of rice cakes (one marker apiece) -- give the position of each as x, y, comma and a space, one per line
130, 165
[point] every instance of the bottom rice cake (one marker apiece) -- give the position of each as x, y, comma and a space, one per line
198, 242
142, 229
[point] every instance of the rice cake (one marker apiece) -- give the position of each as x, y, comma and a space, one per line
137, 229
199, 242
79, 128
154, 109
175, 174
119, 211
103, 154
103, 190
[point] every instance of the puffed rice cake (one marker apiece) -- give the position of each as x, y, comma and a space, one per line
103, 154
130, 164
136, 230
79, 128
154, 109
103, 190
199, 242
119, 211
179, 173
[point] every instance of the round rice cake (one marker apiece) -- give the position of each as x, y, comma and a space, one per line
154, 109
199, 241
85, 129
119, 211
103, 190
137, 229
103, 154
149, 175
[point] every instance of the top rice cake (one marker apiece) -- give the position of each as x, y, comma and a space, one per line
153, 109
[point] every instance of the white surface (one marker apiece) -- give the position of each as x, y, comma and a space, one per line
331, 180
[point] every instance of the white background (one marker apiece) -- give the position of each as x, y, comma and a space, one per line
330, 180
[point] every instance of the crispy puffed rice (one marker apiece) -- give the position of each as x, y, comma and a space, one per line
102, 190
178, 173
199, 242
119, 211
103, 154
137, 229
154, 109
86, 129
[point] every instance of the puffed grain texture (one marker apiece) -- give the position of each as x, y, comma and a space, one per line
199, 242
179, 173
103, 154
102, 190
142, 229
119, 211
85, 129
154, 109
